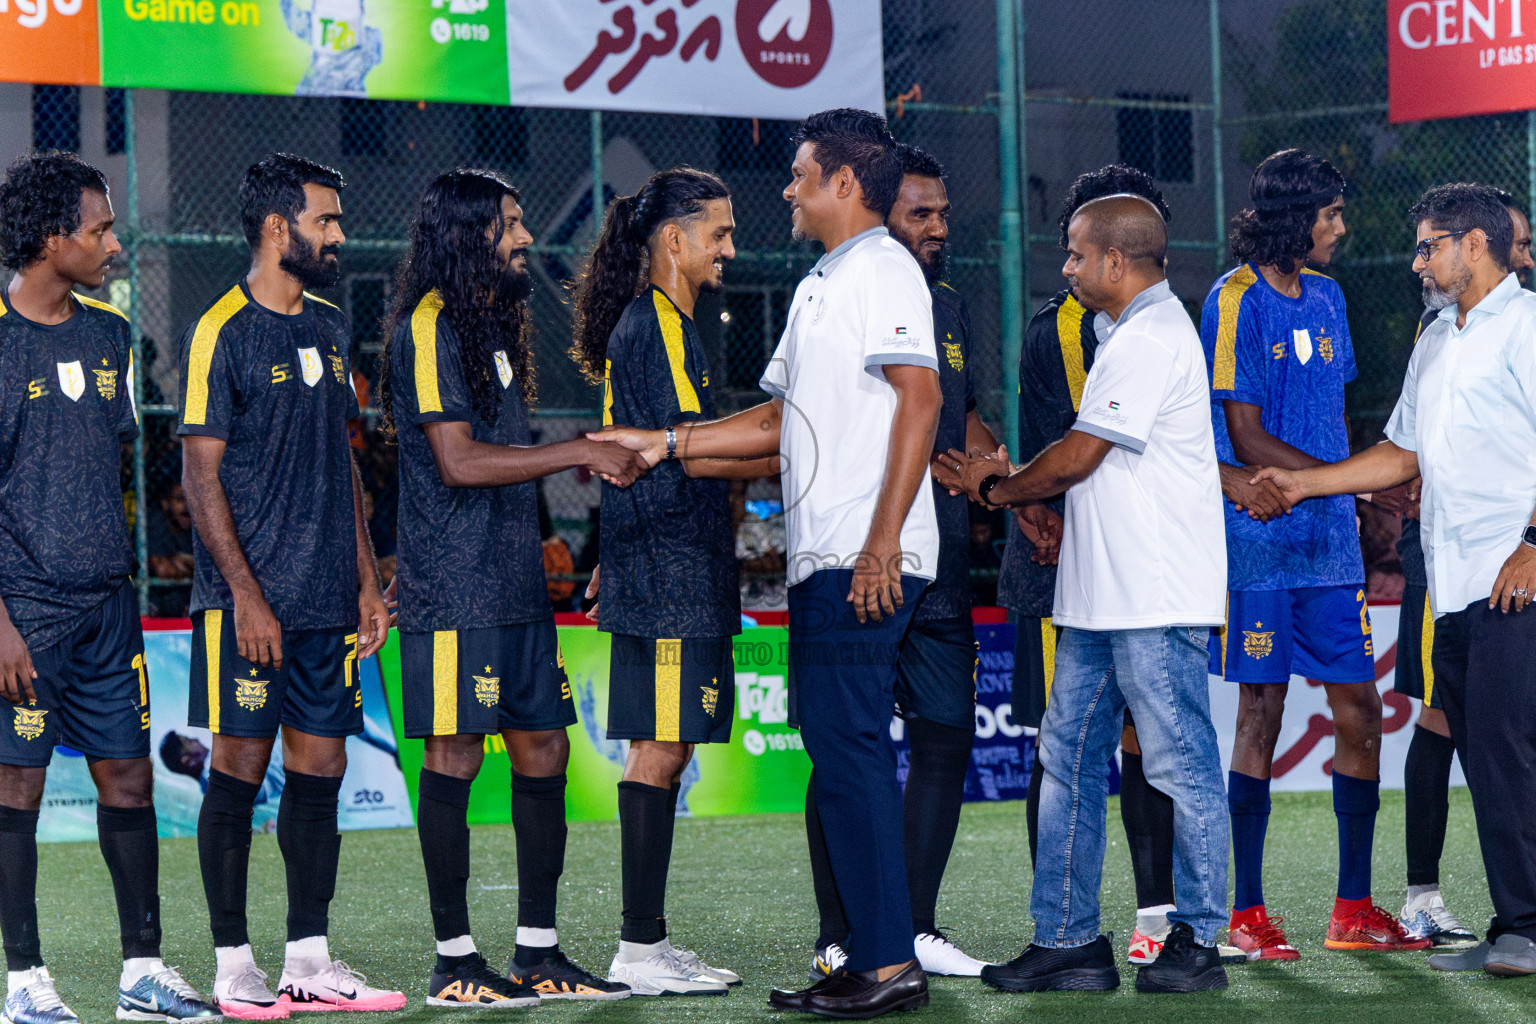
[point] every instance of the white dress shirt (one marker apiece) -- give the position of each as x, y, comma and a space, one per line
1468, 410
863, 306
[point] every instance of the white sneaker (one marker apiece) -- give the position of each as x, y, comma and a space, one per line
37, 1002
1426, 917
828, 961
938, 955
691, 959
317, 985
664, 973
243, 995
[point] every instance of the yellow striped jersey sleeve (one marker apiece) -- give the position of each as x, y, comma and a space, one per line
429, 397
1229, 304
198, 371
671, 322
1069, 333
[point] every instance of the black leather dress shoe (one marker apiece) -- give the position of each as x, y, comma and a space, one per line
857, 995
1089, 968
794, 999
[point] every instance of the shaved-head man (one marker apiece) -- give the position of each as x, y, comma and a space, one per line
1141, 579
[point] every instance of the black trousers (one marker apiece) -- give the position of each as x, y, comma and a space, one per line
1485, 674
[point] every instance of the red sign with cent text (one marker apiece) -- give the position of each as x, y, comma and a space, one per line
1454, 58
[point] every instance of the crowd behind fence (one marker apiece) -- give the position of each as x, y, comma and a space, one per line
1195, 92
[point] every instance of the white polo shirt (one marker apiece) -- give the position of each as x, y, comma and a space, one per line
862, 307
1468, 409
1145, 541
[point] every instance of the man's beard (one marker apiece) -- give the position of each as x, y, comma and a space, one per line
313, 269
514, 285
1436, 297
934, 266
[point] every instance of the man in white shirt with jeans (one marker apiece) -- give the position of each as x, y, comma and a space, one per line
1466, 422
855, 408
1142, 579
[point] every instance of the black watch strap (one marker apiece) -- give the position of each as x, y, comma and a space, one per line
984, 489
1529, 536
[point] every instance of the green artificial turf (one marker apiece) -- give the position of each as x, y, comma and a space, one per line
740, 895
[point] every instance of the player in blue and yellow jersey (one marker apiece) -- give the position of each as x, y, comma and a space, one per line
1059, 346
669, 591
285, 593
478, 652
71, 649
1278, 347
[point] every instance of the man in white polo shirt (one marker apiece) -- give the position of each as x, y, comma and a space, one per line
855, 408
1142, 578
1466, 422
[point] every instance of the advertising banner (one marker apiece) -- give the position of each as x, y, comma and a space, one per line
451, 50
373, 793
737, 58
1454, 58
52, 42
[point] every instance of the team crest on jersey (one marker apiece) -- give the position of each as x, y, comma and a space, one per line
337, 370
72, 380
955, 355
1325, 348
29, 722
711, 698
1256, 644
1303, 342
503, 368
251, 694
106, 383
488, 689
310, 366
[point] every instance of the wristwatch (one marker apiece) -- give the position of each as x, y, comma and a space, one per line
671, 445
984, 488
1529, 536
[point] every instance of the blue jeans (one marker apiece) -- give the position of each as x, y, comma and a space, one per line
1160, 674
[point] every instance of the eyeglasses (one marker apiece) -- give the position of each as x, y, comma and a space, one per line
1425, 252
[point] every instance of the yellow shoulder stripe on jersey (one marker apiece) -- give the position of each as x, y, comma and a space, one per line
315, 298
607, 392
424, 337
1228, 303
1069, 333
200, 360
672, 335
98, 304
1316, 273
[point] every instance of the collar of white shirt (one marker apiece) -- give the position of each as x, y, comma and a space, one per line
1492, 305
825, 263
1104, 326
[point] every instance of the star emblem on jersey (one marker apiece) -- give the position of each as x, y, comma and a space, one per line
503, 368
956, 357
106, 383
1302, 340
72, 379
251, 694
310, 366
711, 697
1257, 644
488, 689
29, 722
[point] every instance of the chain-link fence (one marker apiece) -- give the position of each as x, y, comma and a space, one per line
1195, 92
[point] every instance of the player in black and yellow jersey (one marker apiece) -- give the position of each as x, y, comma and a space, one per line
71, 649
670, 596
478, 652
285, 593
936, 672
1058, 351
